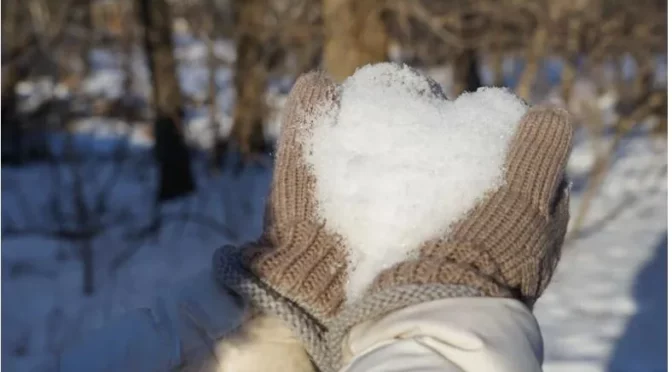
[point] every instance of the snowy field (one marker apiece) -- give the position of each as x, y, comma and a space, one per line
606, 309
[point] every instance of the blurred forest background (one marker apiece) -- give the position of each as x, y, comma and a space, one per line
132, 126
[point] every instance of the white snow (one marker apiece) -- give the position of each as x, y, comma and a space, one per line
605, 309
396, 165
44, 309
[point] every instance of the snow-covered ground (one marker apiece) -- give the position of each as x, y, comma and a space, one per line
43, 303
605, 310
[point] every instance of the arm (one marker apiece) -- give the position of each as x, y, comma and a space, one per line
450, 335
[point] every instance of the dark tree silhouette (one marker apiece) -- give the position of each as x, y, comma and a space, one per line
172, 155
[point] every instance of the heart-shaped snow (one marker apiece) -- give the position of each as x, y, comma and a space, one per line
397, 164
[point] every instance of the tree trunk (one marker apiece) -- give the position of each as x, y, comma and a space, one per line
216, 155
81, 15
533, 56
12, 130
497, 57
570, 66
127, 44
354, 35
209, 34
466, 74
251, 74
175, 178
13, 71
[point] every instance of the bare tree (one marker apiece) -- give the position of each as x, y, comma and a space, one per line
251, 75
465, 72
535, 51
14, 50
466, 76
354, 35
208, 33
175, 178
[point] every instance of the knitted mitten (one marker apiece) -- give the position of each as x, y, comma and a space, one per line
296, 270
510, 243
506, 246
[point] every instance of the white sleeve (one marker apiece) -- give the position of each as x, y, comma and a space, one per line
450, 335
183, 324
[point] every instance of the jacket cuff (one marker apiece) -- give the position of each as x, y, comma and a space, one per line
467, 334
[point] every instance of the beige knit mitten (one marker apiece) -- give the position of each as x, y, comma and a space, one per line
296, 256
510, 243
296, 270
506, 246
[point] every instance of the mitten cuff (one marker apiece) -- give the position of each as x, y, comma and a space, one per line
230, 272
443, 271
307, 265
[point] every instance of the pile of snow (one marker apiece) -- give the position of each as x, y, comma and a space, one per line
397, 164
